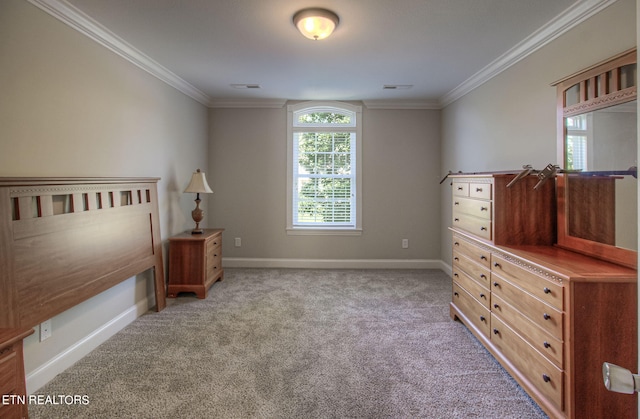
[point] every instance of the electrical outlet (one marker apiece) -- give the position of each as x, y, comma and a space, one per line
45, 330
238, 242
405, 243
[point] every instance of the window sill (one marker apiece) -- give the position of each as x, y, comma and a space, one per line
310, 231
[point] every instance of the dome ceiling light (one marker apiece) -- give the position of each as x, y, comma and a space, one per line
316, 23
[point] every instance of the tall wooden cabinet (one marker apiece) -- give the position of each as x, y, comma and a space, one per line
550, 316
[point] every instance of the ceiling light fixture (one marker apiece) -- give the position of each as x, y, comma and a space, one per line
315, 23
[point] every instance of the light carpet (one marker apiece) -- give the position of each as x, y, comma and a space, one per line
296, 343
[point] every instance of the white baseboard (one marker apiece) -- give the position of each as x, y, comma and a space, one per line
60, 362
334, 263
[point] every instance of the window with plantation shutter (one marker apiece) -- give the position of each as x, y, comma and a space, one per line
323, 182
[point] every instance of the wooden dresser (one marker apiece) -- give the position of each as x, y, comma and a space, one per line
550, 316
195, 262
12, 380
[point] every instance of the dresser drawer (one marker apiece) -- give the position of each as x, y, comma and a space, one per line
475, 312
473, 252
547, 291
480, 190
542, 373
460, 188
478, 291
474, 270
541, 314
547, 344
477, 208
479, 226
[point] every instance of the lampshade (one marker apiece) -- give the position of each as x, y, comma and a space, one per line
315, 23
198, 183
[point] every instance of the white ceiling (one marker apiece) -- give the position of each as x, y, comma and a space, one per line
434, 45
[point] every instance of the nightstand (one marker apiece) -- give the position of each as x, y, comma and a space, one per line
12, 380
195, 262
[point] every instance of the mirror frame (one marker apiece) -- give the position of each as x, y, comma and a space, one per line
591, 97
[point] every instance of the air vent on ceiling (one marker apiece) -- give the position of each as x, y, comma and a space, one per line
246, 86
397, 86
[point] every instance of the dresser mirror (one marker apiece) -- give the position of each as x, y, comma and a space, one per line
597, 144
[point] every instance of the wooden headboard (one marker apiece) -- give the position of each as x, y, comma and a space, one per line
65, 240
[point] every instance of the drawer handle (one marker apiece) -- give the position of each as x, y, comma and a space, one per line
483, 296
456, 219
483, 257
456, 244
546, 378
483, 319
496, 332
546, 290
496, 306
495, 284
456, 259
460, 188
546, 316
455, 274
456, 294
483, 276
484, 208
478, 189
496, 264
483, 228
547, 344
456, 203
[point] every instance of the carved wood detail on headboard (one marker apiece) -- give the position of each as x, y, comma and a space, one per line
65, 240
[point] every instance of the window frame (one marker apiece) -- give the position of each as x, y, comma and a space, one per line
292, 128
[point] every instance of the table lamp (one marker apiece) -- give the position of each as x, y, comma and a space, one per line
198, 185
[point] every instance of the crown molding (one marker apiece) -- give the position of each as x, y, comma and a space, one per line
574, 15
401, 104
84, 24
562, 23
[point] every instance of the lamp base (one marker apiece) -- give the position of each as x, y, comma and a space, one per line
197, 215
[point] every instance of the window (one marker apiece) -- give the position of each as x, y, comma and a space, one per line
577, 137
323, 176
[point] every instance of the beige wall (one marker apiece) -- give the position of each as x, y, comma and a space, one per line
70, 107
400, 169
511, 120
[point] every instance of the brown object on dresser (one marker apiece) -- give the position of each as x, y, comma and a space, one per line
13, 391
550, 316
65, 240
195, 262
